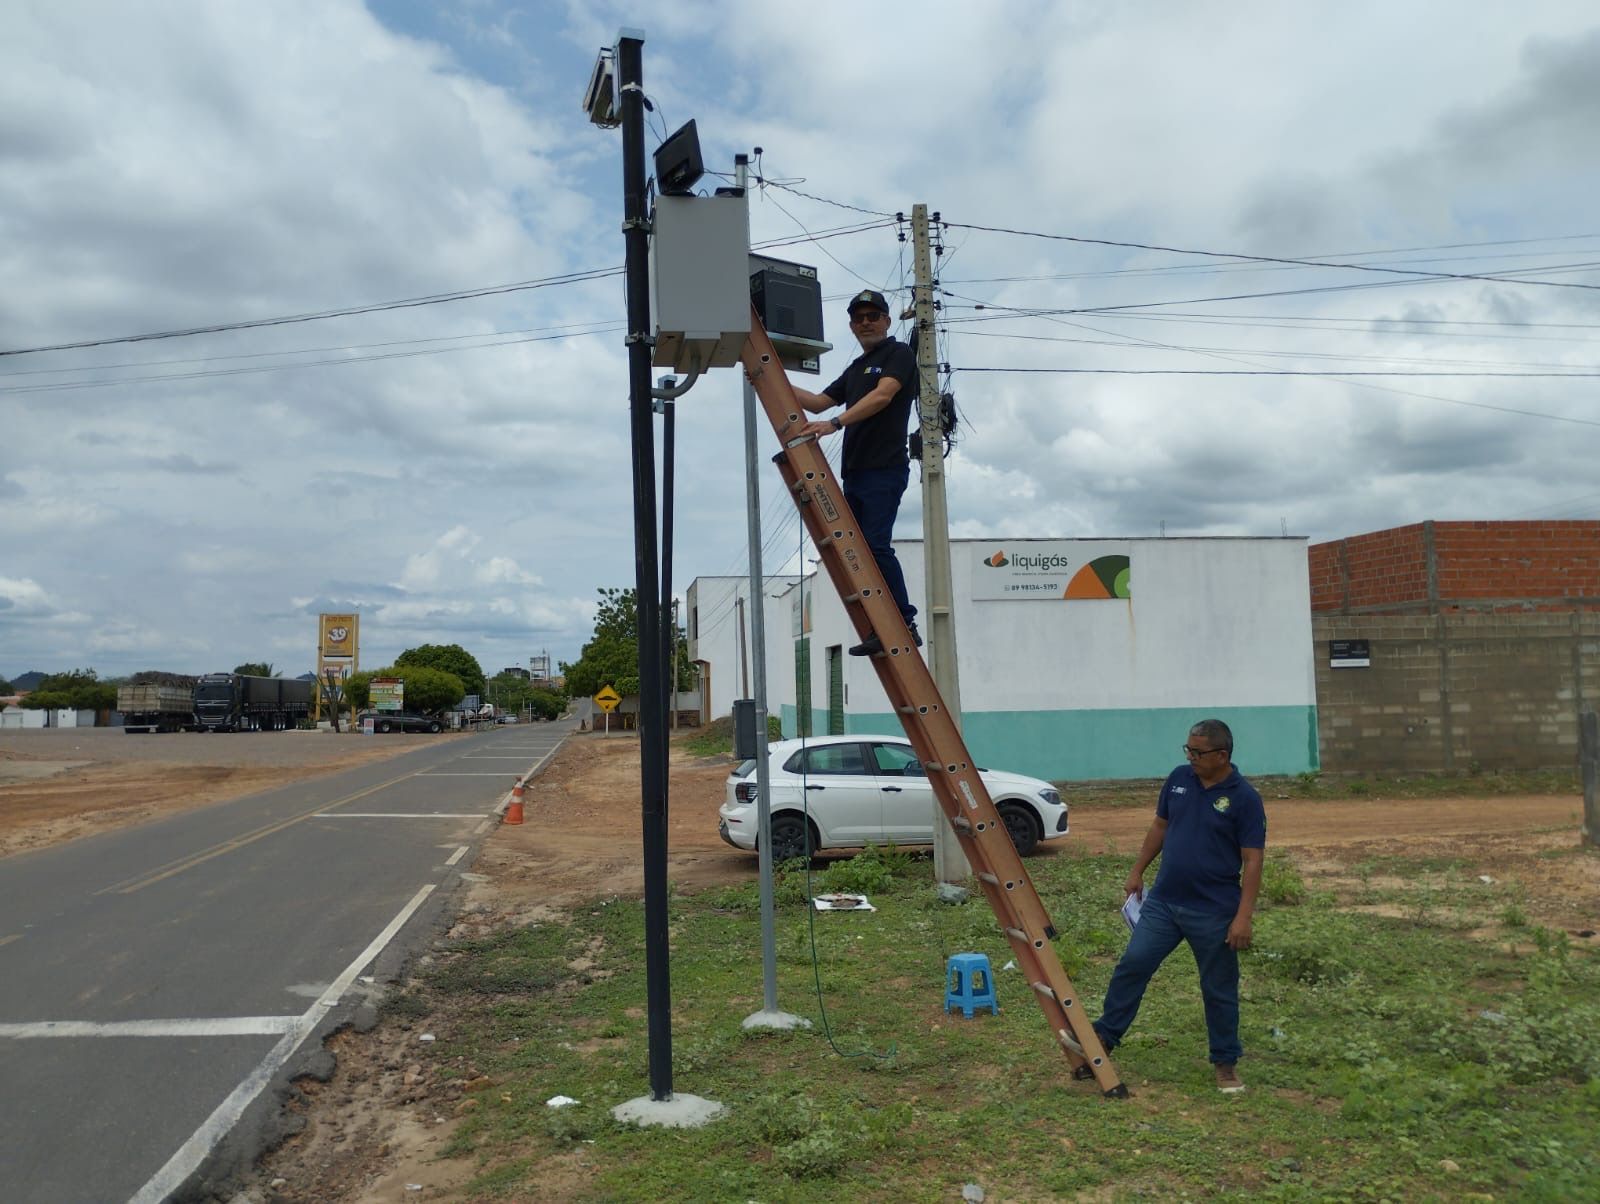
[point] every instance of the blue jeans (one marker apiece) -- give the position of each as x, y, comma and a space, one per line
873, 495
1160, 930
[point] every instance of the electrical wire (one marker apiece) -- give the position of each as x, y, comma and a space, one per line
1244, 258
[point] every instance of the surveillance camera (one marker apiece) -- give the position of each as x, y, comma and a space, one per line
600, 98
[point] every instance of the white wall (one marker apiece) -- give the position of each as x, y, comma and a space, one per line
714, 634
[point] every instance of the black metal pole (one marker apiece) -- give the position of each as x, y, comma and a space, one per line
669, 629
647, 586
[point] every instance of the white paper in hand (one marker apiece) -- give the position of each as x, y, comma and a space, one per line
1130, 910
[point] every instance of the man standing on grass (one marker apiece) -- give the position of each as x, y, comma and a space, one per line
877, 391
1210, 832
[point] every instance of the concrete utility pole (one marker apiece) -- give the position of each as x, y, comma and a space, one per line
949, 862
744, 651
1589, 759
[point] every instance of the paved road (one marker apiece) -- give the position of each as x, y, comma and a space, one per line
155, 981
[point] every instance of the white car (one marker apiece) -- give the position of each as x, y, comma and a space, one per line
848, 791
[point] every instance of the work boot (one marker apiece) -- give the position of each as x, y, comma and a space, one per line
1228, 1080
870, 646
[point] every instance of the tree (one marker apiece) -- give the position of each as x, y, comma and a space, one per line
449, 658
79, 690
255, 669
428, 691
5, 687
611, 657
512, 692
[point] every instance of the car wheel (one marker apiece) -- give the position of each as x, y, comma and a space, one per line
791, 837
1022, 826
384, 726
435, 727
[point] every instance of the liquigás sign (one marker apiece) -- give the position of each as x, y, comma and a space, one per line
1064, 569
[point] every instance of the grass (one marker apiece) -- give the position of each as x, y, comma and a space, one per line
1389, 1058
716, 738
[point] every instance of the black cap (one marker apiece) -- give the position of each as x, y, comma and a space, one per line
867, 297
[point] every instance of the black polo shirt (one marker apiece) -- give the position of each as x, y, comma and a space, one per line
880, 441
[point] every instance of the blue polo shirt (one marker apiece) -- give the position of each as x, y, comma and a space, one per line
1206, 828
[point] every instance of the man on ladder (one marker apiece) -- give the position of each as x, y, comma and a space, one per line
877, 391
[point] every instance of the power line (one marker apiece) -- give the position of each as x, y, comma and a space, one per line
1244, 258
1269, 372
579, 277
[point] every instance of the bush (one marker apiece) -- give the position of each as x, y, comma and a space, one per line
1281, 882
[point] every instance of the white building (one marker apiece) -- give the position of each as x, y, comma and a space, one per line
1079, 659
719, 634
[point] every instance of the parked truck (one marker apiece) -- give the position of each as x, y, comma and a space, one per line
156, 708
232, 702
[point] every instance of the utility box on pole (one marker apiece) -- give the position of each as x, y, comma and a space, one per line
699, 270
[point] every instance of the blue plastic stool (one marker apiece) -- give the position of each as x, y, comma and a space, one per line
969, 984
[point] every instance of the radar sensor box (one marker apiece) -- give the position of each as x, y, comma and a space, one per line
788, 297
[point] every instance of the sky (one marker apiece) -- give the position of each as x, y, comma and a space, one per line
458, 470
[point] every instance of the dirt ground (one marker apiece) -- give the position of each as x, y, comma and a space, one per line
372, 1132
57, 784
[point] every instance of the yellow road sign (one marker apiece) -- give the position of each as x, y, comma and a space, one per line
607, 699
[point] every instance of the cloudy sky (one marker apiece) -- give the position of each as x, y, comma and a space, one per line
458, 471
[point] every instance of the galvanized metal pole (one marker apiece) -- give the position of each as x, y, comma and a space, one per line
949, 862
757, 660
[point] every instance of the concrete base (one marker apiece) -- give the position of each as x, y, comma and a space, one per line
677, 1112
783, 1020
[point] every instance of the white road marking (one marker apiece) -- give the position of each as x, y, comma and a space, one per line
399, 815
504, 773
217, 1126
457, 855
223, 1026
483, 827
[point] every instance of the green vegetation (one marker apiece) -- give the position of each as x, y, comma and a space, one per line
78, 690
445, 658
1389, 1057
256, 669
428, 691
716, 738
515, 693
1349, 786
611, 657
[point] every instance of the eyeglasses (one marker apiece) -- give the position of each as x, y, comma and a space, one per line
1197, 753
866, 316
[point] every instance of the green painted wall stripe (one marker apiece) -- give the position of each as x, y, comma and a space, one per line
1143, 743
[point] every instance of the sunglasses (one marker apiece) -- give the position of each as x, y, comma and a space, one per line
1197, 753
864, 317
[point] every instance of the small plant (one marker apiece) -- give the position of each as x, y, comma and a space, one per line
1281, 882
820, 1154
1514, 917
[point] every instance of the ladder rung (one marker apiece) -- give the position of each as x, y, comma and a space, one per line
851, 599
1018, 934
1066, 1039
1044, 989
985, 876
960, 824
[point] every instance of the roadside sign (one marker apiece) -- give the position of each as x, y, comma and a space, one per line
607, 699
387, 694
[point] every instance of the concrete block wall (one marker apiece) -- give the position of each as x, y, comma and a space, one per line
1456, 692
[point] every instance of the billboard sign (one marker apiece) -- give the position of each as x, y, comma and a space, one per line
387, 694
1071, 570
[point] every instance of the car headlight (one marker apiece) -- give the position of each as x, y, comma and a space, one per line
1053, 797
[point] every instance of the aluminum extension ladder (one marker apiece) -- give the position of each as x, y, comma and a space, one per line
932, 732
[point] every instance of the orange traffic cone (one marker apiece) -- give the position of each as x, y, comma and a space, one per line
514, 810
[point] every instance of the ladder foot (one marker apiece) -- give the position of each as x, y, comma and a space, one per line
1120, 1091
1083, 1073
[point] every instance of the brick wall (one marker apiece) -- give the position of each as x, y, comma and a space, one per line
1445, 566
1457, 691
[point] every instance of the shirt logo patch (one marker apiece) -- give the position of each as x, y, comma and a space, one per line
872, 370
1222, 804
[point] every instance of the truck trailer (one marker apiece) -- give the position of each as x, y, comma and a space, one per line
156, 708
232, 702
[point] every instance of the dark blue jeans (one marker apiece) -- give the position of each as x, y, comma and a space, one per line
873, 495
1160, 930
